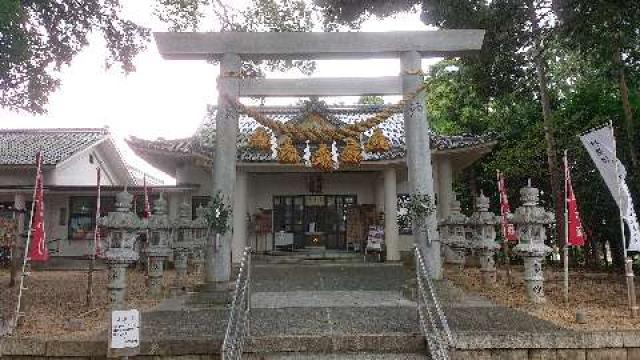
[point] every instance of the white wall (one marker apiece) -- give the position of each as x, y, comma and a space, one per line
78, 170
262, 187
188, 173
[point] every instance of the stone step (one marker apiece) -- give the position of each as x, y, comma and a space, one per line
323, 344
309, 259
341, 356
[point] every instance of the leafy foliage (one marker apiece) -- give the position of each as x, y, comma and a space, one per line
218, 214
38, 37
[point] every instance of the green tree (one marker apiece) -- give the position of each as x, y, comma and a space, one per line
608, 33
37, 38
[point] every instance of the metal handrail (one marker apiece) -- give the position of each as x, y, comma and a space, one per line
433, 322
238, 324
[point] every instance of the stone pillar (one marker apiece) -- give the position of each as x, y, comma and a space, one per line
445, 179
445, 190
530, 220
453, 231
181, 263
239, 218
419, 158
378, 188
117, 285
218, 258
391, 234
155, 272
484, 225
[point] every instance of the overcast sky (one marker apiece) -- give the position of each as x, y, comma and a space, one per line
163, 98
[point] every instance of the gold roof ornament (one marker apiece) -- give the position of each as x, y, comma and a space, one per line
287, 153
378, 143
322, 158
260, 140
352, 153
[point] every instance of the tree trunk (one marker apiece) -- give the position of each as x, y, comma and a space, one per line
555, 174
628, 116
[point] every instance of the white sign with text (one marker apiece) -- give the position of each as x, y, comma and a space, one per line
125, 329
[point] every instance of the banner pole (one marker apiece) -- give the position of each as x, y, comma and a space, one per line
25, 258
566, 230
505, 240
94, 250
628, 264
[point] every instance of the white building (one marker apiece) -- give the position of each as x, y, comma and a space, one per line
71, 157
309, 206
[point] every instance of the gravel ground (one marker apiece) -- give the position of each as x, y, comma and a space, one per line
55, 301
601, 297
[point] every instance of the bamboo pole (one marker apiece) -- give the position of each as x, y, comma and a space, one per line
566, 229
94, 249
631, 294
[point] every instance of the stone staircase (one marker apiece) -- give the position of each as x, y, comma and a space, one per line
332, 311
310, 257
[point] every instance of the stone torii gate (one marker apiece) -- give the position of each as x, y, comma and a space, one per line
231, 48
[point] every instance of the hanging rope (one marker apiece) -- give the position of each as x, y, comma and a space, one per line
324, 134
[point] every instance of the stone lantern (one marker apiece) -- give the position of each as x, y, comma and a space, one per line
158, 248
453, 230
483, 223
123, 227
182, 244
530, 221
200, 232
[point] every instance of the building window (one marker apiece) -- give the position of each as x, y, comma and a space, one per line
82, 215
7, 210
404, 222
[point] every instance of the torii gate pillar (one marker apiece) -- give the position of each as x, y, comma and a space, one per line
218, 258
419, 158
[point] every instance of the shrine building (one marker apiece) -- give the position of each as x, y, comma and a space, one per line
293, 204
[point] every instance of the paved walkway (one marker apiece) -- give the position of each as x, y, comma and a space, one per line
333, 307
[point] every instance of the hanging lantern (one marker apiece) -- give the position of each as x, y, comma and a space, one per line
378, 143
352, 153
287, 153
260, 140
322, 158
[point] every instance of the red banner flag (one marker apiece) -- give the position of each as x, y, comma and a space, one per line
508, 230
38, 250
576, 234
147, 207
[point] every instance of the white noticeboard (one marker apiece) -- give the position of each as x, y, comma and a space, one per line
125, 329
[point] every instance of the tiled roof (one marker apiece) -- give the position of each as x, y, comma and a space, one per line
19, 146
138, 177
203, 141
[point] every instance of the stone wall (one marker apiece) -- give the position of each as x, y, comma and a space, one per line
605, 345
620, 345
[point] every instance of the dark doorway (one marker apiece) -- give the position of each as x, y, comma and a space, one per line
313, 220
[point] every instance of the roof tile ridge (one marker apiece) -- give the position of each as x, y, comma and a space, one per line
103, 130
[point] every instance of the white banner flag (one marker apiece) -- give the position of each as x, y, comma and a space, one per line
601, 147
